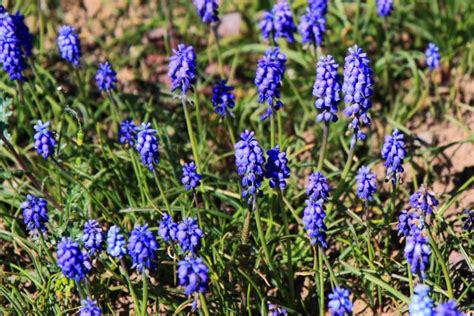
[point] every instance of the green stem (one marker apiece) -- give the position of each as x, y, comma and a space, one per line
288, 247
145, 294
321, 280
192, 138
218, 48
442, 263
261, 235
123, 269
202, 300
272, 130
48, 252
231, 130
82, 294
21, 92
410, 279
246, 227
280, 129
162, 192
322, 152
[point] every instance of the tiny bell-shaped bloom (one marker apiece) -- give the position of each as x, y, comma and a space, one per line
319, 5
432, 56
447, 309
73, 262
92, 236
147, 146
421, 303
276, 168
223, 100
168, 228
327, 89
193, 275
35, 214
339, 302
142, 247
106, 77
44, 139
189, 235
366, 183
191, 179
69, 45
116, 242
90, 308
384, 7
278, 22
312, 27
207, 10
424, 200
182, 68
128, 133
393, 151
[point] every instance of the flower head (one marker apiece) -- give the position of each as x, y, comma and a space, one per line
69, 44
249, 160
313, 221
116, 242
207, 10
317, 187
275, 310
409, 222
319, 5
312, 27
339, 302
90, 308
366, 183
278, 22
276, 168
168, 228
421, 303
182, 68
23, 33
73, 262
327, 89
106, 77
417, 251
191, 179
44, 139
147, 146
92, 236
469, 220
423, 200
384, 7
268, 78
432, 56
393, 151
447, 309
222, 97
357, 87
193, 275
128, 132
35, 213
11, 46
189, 235
142, 247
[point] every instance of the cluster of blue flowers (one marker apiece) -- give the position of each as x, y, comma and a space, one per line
339, 302
314, 213
327, 89
128, 132
69, 45
276, 168
188, 235
35, 214
142, 247
422, 305
424, 200
106, 77
432, 56
168, 228
223, 99
193, 275
182, 68
90, 308
384, 7
44, 139
73, 262
278, 22
92, 236
207, 10
191, 179
116, 245
393, 151
147, 146
366, 183
312, 26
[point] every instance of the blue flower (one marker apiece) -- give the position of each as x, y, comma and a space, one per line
423, 200
73, 262
147, 146
35, 213
44, 139
317, 187
222, 98
312, 27
189, 235
128, 132
92, 236
268, 78
142, 247
313, 221
168, 228
11, 52
193, 275
421, 303
278, 22
409, 222
432, 56
23, 33
357, 87
393, 151
384, 7
250, 161
275, 310
115, 242
191, 179
276, 168
339, 302
106, 77
417, 251
327, 89
469, 220
207, 10
366, 183
182, 68
319, 5
90, 308
69, 45
447, 309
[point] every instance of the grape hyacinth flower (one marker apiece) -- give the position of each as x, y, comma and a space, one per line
73, 262
357, 87
432, 56
207, 10
116, 242
147, 146
276, 168
319, 5
275, 310
408, 222
90, 308
128, 132
393, 151
23, 33
69, 45
278, 22
168, 228
193, 275
313, 221
447, 309
417, 251
318, 187
182, 68
142, 247
106, 77
312, 27
11, 52
92, 236
35, 214
339, 302
327, 89
469, 220
250, 161
268, 78
44, 139
384, 7
222, 98
191, 179
188, 235
421, 303
423, 200
366, 183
